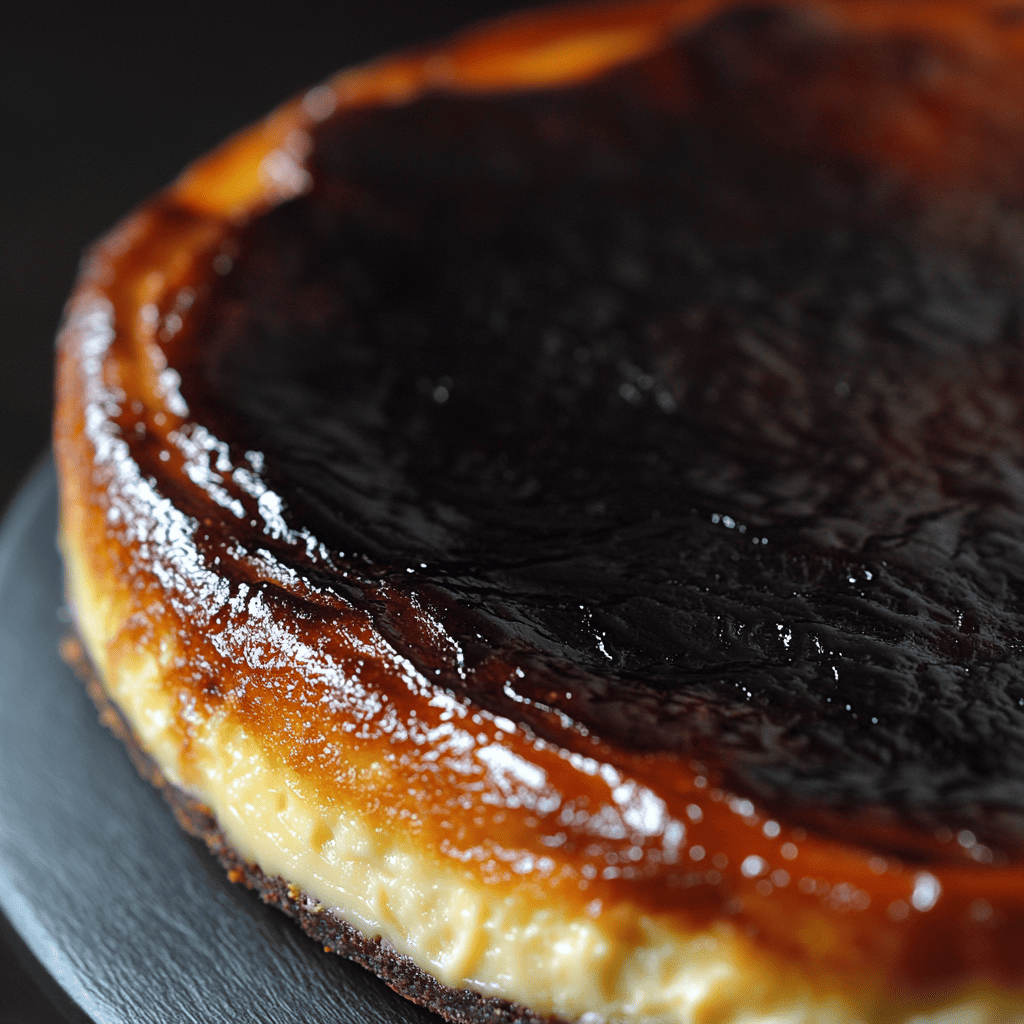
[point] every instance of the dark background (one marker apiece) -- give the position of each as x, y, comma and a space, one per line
101, 104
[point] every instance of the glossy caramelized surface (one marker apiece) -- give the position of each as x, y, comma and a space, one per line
615, 483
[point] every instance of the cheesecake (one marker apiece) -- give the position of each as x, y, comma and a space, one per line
547, 509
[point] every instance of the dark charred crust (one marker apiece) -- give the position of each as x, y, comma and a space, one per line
461, 1006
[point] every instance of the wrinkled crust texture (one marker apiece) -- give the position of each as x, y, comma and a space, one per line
450, 846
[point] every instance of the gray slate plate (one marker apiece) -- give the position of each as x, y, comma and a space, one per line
135, 921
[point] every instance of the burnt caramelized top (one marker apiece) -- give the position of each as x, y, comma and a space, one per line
710, 423
605, 471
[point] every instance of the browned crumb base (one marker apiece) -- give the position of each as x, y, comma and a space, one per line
461, 1006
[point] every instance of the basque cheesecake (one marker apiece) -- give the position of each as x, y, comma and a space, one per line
548, 510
